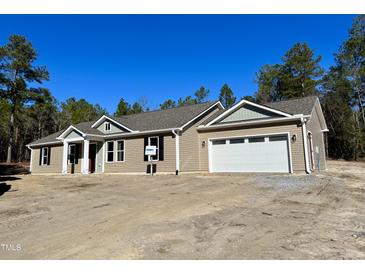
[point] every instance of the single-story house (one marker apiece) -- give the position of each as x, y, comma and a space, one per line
285, 136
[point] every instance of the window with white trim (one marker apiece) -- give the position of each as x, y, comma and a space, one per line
120, 150
153, 141
110, 151
107, 126
45, 154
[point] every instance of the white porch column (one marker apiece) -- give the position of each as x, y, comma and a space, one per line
85, 159
64, 157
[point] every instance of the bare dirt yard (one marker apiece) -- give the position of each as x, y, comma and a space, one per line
242, 216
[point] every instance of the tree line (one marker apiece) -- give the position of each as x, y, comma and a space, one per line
29, 111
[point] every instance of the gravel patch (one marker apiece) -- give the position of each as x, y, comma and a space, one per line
287, 181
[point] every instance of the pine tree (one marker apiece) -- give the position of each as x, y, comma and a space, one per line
226, 96
123, 108
17, 72
168, 104
201, 94
351, 59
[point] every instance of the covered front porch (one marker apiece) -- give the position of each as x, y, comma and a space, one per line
81, 154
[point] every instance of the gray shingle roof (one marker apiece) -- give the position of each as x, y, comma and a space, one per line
151, 120
213, 116
163, 119
295, 106
50, 138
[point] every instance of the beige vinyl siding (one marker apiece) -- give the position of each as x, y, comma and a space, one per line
190, 145
314, 126
55, 164
297, 150
134, 160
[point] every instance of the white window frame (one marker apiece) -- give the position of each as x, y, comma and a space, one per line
69, 150
45, 156
116, 151
105, 126
157, 148
108, 151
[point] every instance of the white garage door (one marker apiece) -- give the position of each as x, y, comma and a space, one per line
250, 154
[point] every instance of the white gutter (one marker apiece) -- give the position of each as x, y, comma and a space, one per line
177, 149
133, 133
46, 143
256, 122
305, 140
103, 137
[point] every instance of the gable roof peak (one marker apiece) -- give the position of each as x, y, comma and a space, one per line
293, 106
168, 109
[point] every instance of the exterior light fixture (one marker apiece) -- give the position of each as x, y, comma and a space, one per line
294, 138
203, 144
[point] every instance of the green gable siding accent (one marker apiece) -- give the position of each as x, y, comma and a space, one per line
114, 128
248, 112
73, 134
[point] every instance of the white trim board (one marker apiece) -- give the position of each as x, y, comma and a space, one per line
242, 102
105, 117
322, 120
201, 114
69, 130
255, 122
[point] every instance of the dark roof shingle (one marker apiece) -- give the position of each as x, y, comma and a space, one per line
163, 119
145, 121
295, 106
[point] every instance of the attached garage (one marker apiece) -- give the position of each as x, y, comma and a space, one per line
270, 153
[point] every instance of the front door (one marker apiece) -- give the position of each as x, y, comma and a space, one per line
92, 157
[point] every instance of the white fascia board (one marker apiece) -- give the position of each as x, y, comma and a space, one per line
321, 116
268, 109
104, 117
256, 122
202, 113
68, 130
243, 101
45, 143
135, 133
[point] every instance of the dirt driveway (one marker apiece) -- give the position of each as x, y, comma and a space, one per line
320, 216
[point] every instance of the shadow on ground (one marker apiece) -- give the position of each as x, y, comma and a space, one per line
13, 169
4, 187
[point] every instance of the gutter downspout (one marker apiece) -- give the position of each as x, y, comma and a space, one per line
305, 142
177, 150
31, 158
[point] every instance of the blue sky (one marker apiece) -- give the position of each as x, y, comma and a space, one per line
105, 57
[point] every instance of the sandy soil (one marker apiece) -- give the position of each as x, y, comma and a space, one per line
320, 216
